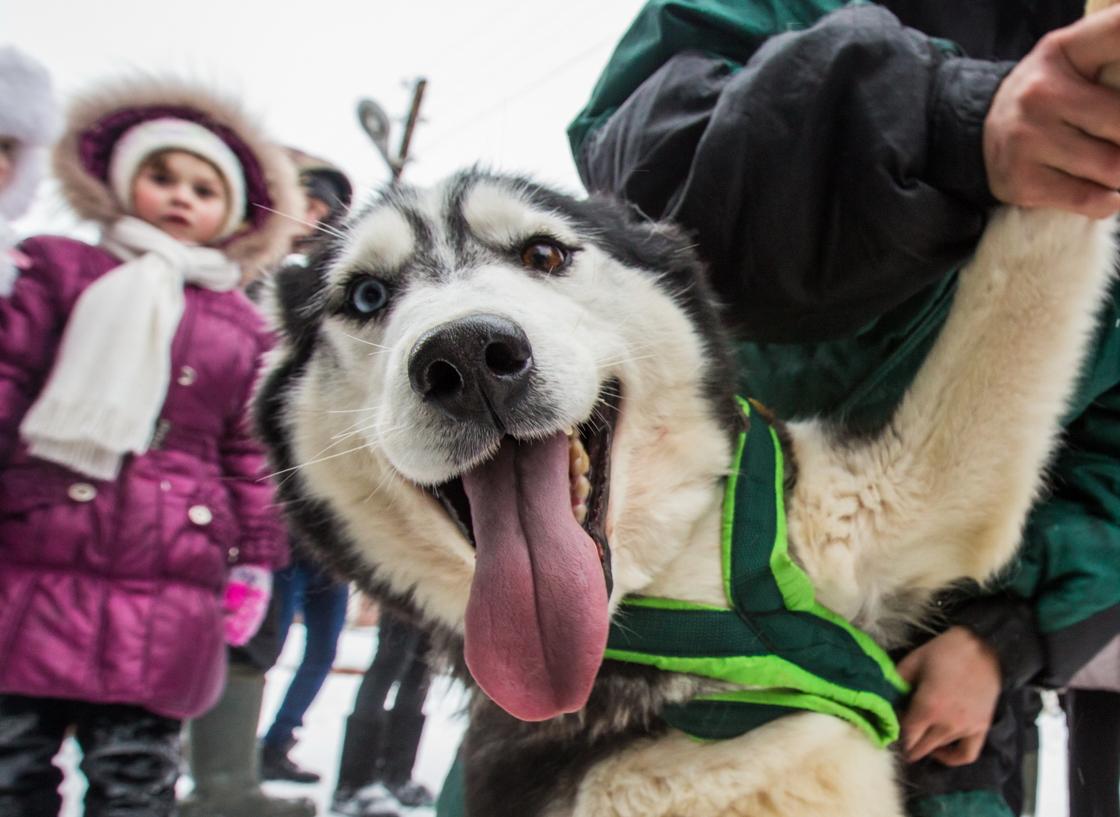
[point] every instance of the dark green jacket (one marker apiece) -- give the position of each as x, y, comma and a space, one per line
828, 160
834, 220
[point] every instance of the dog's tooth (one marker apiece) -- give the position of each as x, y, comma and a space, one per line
578, 461
581, 488
584, 464
580, 513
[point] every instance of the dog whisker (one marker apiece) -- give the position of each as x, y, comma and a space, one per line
380, 485
628, 359
365, 445
322, 228
366, 342
338, 438
355, 428
348, 411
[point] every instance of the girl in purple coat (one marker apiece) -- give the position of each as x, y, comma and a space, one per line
137, 530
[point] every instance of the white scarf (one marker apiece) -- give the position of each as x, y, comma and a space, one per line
113, 366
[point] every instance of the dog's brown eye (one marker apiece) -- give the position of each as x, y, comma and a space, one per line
543, 256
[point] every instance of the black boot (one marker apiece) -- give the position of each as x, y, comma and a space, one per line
403, 742
33, 729
223, 755
276, 765
372, 801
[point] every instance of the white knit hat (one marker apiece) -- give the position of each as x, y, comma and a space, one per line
155, 135
27, 113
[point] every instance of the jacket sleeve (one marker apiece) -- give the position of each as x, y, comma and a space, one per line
1060, 602
1008, 625
32, 319
1070, 564
834, 174
264, 538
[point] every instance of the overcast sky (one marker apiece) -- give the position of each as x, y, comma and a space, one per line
504, 77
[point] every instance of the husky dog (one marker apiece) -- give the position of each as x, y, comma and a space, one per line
510, 410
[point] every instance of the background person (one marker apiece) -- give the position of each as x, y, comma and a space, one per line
303, 586
28, 125
379, 746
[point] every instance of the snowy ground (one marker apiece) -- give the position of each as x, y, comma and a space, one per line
321, 739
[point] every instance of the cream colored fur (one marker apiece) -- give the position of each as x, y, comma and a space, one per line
801, 765
944, 495
878, 526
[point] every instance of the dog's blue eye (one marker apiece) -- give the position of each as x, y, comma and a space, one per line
367, 295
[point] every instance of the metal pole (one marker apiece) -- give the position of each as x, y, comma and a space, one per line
409, 128
375, 122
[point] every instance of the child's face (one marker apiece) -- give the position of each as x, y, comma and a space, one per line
181, 194
7, 154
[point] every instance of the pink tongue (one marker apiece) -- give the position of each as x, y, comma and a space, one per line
536, 621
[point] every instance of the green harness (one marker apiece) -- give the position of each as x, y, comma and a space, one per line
783, 651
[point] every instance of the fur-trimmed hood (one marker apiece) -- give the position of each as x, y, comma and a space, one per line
99, 116
28, 113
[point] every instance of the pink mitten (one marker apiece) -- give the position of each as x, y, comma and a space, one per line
248, 589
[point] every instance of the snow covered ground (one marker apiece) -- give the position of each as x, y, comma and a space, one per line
321, 739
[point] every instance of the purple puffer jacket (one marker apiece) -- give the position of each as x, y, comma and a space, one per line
111, 591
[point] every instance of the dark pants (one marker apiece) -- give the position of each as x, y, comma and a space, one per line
302, 586
381, 744
130, 757
1094, 752
401, 659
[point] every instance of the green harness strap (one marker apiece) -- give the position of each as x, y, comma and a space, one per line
782, 650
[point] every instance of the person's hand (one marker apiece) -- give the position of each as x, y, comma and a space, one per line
1052, 135
956, 683
248, 590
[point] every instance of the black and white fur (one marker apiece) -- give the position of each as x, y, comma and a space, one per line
879, 524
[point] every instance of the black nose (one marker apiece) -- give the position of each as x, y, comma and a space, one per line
474, 368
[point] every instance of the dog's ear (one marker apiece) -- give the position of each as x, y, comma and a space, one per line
635, 239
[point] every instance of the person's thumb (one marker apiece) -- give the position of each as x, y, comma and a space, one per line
910, 667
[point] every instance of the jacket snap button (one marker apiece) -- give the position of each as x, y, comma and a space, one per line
233, 554
160, 434
187, 376
200, 515
81, 492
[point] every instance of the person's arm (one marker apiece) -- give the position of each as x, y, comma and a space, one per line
1069, 568
1052, 135
32, 319
993, 645
835, 174
1062, 600
956, 683
845, 168
263, 538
